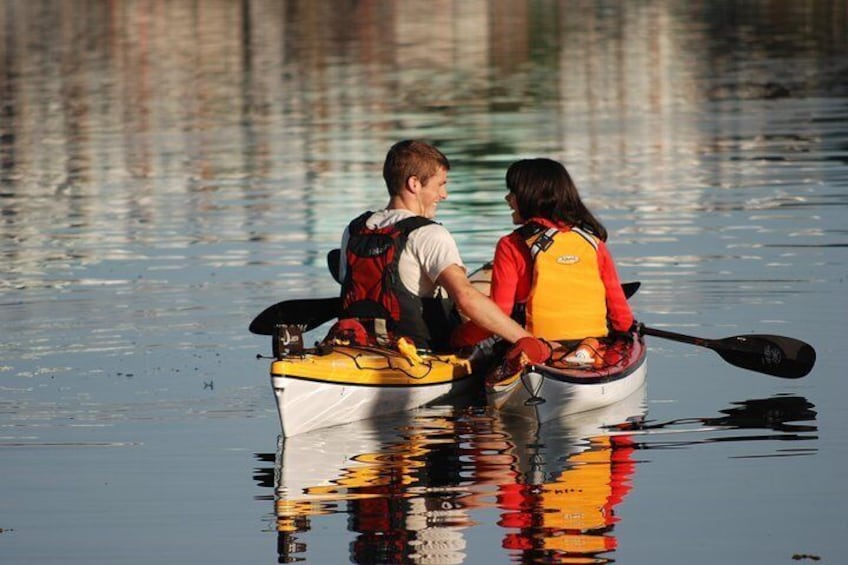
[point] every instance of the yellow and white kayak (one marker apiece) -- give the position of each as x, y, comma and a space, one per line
338, 384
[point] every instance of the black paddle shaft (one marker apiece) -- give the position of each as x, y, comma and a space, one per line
774, 355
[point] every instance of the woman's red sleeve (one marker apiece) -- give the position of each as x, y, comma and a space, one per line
618, 310
510, 273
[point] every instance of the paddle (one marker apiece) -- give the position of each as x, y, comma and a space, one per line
630, 288
307, 312
333, 257
774, 355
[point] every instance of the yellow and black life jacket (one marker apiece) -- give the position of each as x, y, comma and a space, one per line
567, 297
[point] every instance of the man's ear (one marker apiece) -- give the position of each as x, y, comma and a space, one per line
413, 184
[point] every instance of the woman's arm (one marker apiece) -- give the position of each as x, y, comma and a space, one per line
618, 310
510, 281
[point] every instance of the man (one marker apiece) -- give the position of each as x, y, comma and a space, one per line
396, 262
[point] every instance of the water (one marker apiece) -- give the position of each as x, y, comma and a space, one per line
167, 170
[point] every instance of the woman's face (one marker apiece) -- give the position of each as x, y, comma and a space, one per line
513, 205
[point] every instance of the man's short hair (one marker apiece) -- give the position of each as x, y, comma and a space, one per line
411, 158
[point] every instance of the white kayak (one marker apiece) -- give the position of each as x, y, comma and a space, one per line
561, 388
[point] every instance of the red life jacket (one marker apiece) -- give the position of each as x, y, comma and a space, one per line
372, 288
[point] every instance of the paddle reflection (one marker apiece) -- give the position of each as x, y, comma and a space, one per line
781, 414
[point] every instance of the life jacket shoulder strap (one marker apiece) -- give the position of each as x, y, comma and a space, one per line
537, 237
529, 230
408, 225
405, 226
358, 224
588, 236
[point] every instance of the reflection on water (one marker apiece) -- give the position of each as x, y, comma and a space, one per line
412, 487
150, 149
169, 169
566, 479
778, 413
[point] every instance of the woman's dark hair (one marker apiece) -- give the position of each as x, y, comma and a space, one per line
543, 188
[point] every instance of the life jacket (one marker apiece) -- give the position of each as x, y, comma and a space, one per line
372, 289
567, 297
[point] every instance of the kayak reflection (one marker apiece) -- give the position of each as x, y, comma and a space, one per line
411, 485
399, 480
567, 477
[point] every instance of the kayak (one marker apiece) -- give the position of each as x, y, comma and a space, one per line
331, 384
562, 387
334, 384
337, 384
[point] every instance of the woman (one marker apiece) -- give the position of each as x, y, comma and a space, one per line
554, 273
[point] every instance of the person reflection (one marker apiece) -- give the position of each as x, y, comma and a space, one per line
403, 495
415, 513
567, 515
558, 493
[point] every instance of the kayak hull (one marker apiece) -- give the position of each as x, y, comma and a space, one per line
318, 390
547, 393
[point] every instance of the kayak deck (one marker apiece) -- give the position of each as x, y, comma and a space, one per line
339, 384
558, 389
362, 366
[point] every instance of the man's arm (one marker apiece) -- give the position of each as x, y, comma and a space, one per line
477, 305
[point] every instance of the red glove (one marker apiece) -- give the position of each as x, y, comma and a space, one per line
527, 351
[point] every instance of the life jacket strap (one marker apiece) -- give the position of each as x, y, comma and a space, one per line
543, 242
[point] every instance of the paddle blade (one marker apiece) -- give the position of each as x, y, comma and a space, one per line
333, 258
774, 355
630, 288
307, 312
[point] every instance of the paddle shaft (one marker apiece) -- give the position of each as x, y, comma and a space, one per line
700, 341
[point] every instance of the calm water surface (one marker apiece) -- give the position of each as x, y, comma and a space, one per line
169, 169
